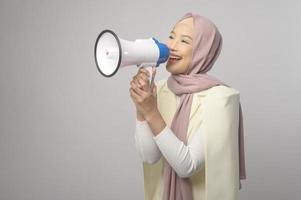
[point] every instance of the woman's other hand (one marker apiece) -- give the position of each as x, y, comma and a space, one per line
144, 99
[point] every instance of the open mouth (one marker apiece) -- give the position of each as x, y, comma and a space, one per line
174, 59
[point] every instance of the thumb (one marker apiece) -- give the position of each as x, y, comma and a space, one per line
154, 90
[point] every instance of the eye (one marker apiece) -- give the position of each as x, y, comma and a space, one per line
170, 37
185, 41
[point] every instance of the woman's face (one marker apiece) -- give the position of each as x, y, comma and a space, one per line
180, 46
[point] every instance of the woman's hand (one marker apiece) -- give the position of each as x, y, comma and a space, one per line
145, 99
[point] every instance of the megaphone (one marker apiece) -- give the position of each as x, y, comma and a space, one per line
112, 53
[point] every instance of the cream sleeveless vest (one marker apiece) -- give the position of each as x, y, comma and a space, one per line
216, 112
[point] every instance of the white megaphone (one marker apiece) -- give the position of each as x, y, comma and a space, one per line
112, 53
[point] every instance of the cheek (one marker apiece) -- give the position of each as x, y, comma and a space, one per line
187, 58
187, 52
187, 55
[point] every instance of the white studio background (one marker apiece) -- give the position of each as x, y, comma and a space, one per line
66, 132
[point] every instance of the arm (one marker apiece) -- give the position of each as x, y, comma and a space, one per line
145, 144
186, 160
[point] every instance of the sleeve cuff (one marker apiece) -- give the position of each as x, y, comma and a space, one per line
140, 122
162, 134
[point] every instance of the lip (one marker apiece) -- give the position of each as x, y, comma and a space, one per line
172, 61
175, 56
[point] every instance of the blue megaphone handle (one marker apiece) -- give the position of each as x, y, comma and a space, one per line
164, 52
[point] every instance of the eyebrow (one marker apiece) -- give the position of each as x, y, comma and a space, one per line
182, 35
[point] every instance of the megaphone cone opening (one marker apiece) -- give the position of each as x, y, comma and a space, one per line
99, 44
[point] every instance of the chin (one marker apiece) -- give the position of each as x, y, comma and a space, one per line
173, 72
171, 69
174, 69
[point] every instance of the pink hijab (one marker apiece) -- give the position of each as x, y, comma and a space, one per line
207, 44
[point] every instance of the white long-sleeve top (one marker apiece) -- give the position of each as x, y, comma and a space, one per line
184, 159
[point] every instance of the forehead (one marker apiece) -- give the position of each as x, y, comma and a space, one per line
185, 26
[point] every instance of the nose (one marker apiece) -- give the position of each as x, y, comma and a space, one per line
172, 45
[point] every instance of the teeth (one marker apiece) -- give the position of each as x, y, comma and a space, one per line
176, 58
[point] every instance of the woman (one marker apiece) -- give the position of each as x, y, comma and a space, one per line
189, 130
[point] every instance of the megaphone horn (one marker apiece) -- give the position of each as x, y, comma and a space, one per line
112, 53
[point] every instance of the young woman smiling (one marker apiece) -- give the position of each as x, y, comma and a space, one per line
189, 128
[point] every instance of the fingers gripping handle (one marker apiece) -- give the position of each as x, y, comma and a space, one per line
151, 78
